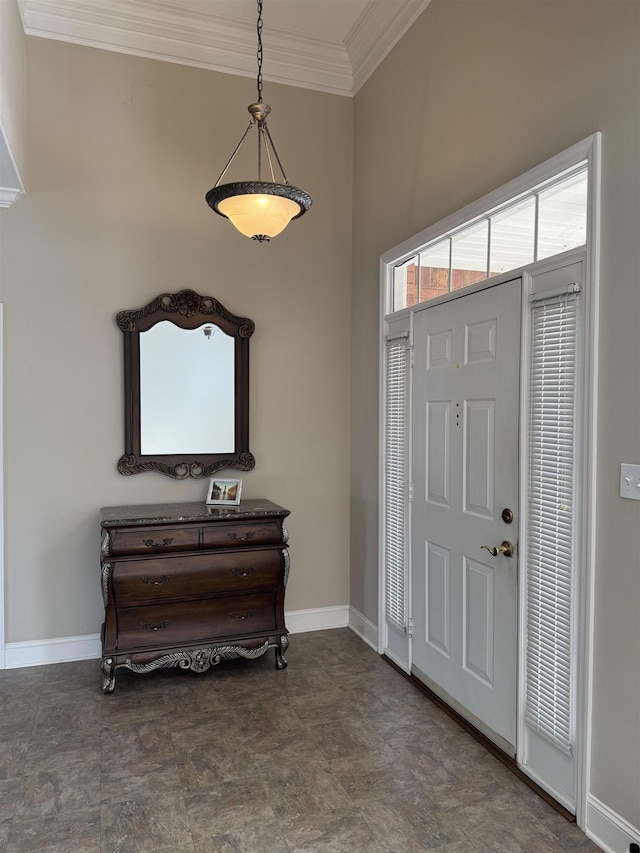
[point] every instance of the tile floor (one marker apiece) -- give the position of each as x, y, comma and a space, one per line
336, 753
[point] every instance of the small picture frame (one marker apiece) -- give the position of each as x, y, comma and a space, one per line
224, 492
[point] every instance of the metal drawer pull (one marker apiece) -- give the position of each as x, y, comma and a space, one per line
242, 616
243, 573
146, 626
156, 581
244, 538
162, 544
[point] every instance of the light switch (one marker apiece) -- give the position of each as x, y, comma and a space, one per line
630, 481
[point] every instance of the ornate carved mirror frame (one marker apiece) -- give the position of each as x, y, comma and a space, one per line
186, 310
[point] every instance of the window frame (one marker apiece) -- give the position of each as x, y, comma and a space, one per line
537, 180
554, 170
485, 220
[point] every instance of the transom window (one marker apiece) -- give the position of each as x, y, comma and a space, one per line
547, 220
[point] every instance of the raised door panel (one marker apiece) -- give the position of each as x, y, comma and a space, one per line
438, 598
480, 341
438, 452
478, 620
479, 458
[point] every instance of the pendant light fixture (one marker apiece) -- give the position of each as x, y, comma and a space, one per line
259, 209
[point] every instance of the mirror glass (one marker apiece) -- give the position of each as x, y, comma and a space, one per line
186, 383
187, 361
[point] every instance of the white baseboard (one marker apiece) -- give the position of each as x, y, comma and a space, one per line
60, 650
607, 829
317, 619
364, 628
65, 649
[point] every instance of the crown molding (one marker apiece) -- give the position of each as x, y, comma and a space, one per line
376, 33
192, 34
189, 37
9, 196
11, 186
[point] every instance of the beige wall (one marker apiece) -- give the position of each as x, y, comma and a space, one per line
121, 151
12, 74
474, 95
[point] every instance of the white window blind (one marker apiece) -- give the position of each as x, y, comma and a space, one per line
395, 476
551, 515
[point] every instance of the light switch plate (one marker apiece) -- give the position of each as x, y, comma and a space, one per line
630, 481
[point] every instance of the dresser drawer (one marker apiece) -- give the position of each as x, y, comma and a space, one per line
196, 621
190, 576
150, 540
234, 535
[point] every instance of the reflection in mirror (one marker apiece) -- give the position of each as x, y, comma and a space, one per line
186, 372
186, 360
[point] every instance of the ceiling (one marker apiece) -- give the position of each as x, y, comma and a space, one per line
328, 45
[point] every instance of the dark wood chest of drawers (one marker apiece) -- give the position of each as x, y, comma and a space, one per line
189, 585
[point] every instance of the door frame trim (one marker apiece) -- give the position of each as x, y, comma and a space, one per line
587, 149
2, 502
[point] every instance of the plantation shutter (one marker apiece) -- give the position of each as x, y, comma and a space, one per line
551, 518
395, 481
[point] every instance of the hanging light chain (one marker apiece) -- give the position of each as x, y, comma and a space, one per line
259, 54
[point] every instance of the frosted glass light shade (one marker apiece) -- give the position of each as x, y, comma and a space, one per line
259, 209
259, 215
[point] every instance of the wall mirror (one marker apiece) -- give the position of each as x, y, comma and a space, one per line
186, 387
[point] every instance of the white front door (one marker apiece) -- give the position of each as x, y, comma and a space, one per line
465, 439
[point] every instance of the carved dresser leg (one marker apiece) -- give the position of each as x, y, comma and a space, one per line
281, 661
108, 675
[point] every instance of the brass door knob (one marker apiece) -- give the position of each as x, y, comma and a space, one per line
506, 548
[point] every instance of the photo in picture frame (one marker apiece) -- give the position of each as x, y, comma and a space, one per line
224, 492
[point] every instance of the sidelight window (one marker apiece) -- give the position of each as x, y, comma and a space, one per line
551, 519
396, 480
